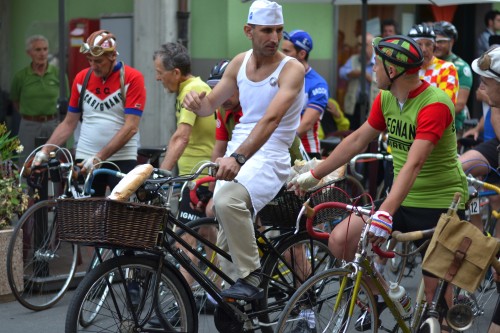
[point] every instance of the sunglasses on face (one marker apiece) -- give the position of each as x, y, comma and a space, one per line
484, 62
96, 50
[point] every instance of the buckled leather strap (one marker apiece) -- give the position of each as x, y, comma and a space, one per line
458, 259
40, 119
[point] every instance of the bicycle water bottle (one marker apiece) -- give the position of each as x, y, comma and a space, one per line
401, 299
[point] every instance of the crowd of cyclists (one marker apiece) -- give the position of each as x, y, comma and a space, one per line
265, 97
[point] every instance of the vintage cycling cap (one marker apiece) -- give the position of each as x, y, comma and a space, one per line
401, 51
300, 38
488, 65
98, 43
263, 12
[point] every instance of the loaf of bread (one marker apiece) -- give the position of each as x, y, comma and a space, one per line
131, 182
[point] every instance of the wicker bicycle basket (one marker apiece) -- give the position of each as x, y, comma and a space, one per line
107, 223
284, 209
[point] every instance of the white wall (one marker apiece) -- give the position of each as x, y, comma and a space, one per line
154, 24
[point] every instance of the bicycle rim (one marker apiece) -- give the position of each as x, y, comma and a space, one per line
321, 302
48, 264
301, 257
115, 313
99, 294
208, 228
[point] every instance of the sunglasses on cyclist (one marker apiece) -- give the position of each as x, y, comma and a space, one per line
485, 61
96, 50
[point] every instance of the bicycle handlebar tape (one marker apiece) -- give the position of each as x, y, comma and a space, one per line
131, 182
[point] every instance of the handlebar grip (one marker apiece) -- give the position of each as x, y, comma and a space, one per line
193, 196
412, 235
491, 187
162, 172
382, 253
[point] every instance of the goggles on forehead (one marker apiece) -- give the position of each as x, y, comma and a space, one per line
484, 62
96, 50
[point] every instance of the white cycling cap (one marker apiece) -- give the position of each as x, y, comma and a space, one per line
264, 12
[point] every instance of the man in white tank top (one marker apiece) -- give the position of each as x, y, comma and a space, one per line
271, 88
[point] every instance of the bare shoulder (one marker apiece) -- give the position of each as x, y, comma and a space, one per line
235, 64
293, 69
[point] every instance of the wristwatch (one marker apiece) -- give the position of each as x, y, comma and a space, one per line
240, 158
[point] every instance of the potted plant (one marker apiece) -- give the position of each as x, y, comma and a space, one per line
13, 199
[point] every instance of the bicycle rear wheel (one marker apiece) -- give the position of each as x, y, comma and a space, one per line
174, 304
48, 264
321, 303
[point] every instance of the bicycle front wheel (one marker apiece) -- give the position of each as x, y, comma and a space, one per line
295, 259
323, 302
128, 304
48, 264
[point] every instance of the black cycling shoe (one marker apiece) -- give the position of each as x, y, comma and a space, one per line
243, 290
364, 321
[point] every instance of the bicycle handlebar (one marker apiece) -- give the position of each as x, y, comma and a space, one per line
474, 181
374, 156
87, 188
193, 196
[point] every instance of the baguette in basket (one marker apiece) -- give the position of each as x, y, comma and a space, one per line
131, 182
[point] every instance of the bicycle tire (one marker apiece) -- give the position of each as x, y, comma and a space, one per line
401, 267
48, 270
278, 282
174, 296
318, 296
102, 293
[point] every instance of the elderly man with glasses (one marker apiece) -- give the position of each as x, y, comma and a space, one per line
109, 98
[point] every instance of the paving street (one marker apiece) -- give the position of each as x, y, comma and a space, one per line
15, 318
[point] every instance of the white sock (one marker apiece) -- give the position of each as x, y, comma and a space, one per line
308, 315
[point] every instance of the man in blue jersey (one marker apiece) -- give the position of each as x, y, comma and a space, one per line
299, 44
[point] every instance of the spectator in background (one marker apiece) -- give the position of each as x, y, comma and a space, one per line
194, 138
351, 71
343, 54
437, 72
492, 26
34, 93
110, 112
388, 27
299, 44
446, 35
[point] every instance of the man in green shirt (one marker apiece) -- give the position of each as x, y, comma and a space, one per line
446, 36
34, 93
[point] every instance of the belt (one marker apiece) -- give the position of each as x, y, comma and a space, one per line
39, 119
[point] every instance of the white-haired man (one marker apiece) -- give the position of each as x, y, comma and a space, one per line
110, 111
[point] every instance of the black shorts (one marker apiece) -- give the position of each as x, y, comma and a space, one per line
408, 219
186, 213
489, 150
